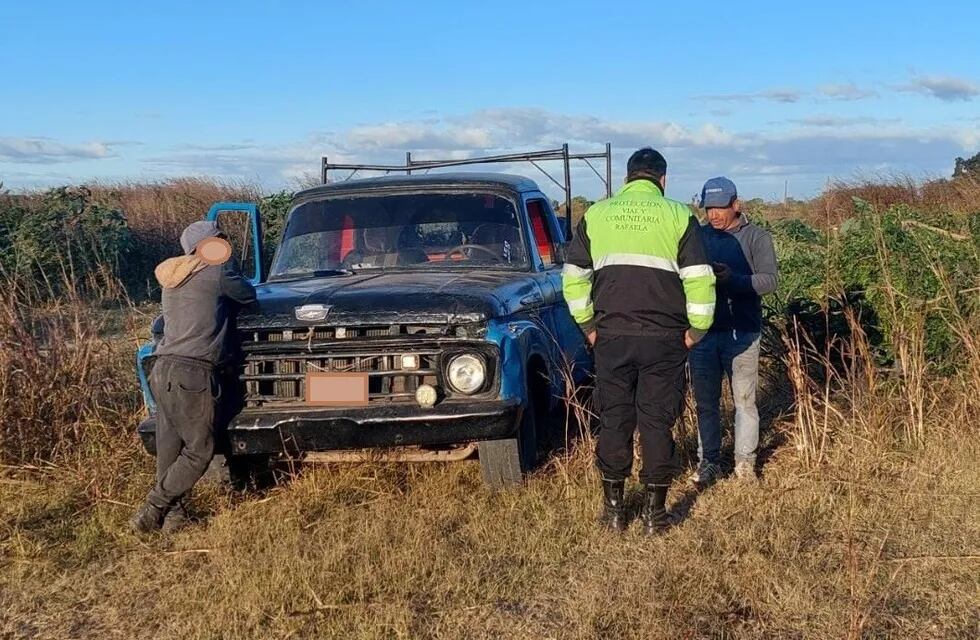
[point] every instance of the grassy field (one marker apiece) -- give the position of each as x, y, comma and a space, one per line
877, 538
876, 543
865, 524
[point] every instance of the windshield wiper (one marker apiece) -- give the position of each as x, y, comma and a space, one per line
318, 273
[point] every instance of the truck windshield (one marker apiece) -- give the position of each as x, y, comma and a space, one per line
347, 234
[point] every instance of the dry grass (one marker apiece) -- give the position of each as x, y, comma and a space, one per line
959, 195
876, 543
877, 538
61, 383
836, 202
158, 211
164, 208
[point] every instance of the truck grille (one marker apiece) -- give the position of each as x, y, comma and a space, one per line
281, 378
276, 361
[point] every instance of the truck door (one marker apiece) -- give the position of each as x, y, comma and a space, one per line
547, 240
543, 246
242, 223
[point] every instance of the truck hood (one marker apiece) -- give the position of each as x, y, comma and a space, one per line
395, 297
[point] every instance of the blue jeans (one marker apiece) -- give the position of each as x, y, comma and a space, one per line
737, 355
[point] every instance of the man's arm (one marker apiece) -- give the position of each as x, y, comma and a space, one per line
576, 279
698, 279
765, 275
234, 286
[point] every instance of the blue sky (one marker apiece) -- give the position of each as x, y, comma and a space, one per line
764, 92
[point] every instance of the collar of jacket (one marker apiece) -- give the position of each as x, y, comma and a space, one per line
743, 221
645, 186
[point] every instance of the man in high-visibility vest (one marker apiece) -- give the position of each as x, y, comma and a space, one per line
638, 283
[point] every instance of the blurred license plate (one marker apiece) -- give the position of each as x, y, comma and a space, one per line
337, 389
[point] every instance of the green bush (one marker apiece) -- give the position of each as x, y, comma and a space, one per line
61, 240
274, 208
894, 268
903, 262
802, 254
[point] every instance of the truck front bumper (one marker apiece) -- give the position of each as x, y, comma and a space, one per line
295, 430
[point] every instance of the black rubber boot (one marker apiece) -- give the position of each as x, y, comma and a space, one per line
656, 519
613, 507
176, 518
148, 518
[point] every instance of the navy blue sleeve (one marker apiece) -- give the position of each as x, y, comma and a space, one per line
234, 286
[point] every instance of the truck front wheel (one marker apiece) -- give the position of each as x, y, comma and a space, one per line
239, 473
503, 463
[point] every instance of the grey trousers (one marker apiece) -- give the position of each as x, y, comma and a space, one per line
736, 355
186, 392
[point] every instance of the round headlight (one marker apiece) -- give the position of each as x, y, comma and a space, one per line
467, 373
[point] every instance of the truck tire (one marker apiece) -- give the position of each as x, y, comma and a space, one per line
503, 463
237, 473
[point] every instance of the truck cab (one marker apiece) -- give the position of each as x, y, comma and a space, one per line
420, 313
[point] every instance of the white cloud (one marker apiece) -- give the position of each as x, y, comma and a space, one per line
769, 95
969, 139
821, 146
945, 88
846, 91
231, 146
417, 135
839, 121
826, 146
39, 150
34, 178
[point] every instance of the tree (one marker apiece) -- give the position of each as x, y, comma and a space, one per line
970, 167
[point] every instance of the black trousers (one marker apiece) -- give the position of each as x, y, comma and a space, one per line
186, 392
640, 385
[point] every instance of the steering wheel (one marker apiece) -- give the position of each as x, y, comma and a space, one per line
459, 249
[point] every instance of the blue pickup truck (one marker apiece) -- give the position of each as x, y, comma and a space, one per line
420, 314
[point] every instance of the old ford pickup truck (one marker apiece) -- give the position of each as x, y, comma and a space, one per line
420, 312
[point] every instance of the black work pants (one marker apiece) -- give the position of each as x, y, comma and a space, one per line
186, 393
640, 385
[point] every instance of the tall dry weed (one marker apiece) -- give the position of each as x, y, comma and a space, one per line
59, 381
165, 207
836, 203
157, 212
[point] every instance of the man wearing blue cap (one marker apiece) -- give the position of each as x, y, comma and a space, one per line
744, 262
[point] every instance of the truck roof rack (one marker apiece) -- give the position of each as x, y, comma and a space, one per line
534, 157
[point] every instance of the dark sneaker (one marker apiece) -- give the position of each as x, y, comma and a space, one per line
176, 519
707, 473
147, 519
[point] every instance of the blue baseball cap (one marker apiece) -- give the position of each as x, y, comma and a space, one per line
718, 192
